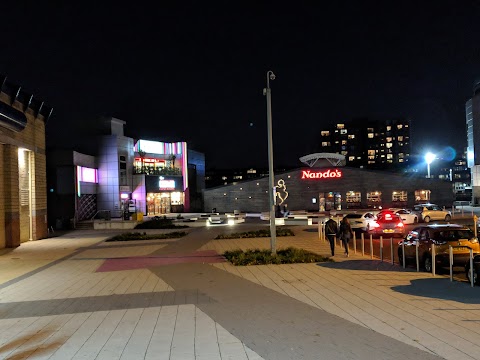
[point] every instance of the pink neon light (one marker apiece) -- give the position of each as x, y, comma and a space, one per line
88, 175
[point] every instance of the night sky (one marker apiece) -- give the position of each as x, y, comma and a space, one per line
195, 71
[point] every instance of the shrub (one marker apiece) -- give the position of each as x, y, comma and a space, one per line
289, 255
145, 236
159, 223
256, 234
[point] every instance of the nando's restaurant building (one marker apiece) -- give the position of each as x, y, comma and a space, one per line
331, 188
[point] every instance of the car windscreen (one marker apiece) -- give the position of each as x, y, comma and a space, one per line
354, 216
455, 235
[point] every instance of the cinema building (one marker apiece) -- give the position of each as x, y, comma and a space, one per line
125, 175
325, 184
23, 203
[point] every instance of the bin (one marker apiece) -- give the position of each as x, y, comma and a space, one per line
137, 216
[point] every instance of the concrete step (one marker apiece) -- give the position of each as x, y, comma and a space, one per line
84, 225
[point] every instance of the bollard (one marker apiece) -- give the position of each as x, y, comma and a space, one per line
319, 229
371, 246
403, 253
354, 242
416, 256
472, 283
391, 250
381, 248
363, 244
433, 259
475, 224
450, 257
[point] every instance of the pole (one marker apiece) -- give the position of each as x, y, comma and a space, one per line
354, 242
381, 248
363, 244
433, 260
416, 256
391, 250
271, 176
450, 257
472, 283
428, 170
371, 246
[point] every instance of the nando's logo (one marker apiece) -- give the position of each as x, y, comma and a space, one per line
328, 174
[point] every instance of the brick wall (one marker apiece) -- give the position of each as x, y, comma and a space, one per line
16, 205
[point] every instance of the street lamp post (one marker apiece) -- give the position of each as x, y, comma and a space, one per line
272, 196
429, 157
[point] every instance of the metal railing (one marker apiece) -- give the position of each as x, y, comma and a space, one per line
107, 215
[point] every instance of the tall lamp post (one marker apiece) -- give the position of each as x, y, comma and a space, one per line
429, 157
273, 232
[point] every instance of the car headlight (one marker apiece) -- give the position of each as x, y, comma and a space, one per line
474, 241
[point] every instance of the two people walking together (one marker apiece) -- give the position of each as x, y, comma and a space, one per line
344, 232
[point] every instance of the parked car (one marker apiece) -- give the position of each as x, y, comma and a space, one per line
361, 221
429, 212
462, 238
387, 223
407, 216
476, 270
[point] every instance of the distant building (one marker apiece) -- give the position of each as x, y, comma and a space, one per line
367, 143
23, 203
472, 112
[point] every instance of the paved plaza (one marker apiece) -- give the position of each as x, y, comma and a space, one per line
77, 297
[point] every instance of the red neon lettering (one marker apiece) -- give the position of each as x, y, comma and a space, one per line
307, 174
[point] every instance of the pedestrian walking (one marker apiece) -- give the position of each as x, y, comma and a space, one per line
345, 233
331, 230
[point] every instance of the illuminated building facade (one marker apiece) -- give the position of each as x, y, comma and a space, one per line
23, 205
472, 112
326, 187
369, 143
126, 175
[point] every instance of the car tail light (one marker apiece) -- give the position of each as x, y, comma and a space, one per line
400, 224
375, 224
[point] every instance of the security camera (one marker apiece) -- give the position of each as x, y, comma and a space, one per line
272, 76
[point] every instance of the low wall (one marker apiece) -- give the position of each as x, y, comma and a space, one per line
115, 225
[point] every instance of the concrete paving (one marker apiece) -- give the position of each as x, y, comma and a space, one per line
59, 300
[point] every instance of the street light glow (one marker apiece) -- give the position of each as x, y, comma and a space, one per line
429, 157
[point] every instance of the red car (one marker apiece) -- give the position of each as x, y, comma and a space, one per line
388, 224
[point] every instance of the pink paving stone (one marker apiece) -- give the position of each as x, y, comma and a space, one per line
140, 262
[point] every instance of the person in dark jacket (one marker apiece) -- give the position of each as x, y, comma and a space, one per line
331, 230
345, 233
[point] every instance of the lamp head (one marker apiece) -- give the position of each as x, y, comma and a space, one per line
272, 75
429, 157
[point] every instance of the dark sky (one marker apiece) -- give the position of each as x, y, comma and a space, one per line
194, 71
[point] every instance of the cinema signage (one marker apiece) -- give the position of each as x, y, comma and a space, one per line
326, 174
157, 183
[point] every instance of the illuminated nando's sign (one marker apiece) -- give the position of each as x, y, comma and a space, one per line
327, 174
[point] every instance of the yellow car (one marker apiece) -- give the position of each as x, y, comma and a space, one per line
461, 238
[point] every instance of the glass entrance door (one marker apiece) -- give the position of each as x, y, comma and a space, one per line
331, 200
